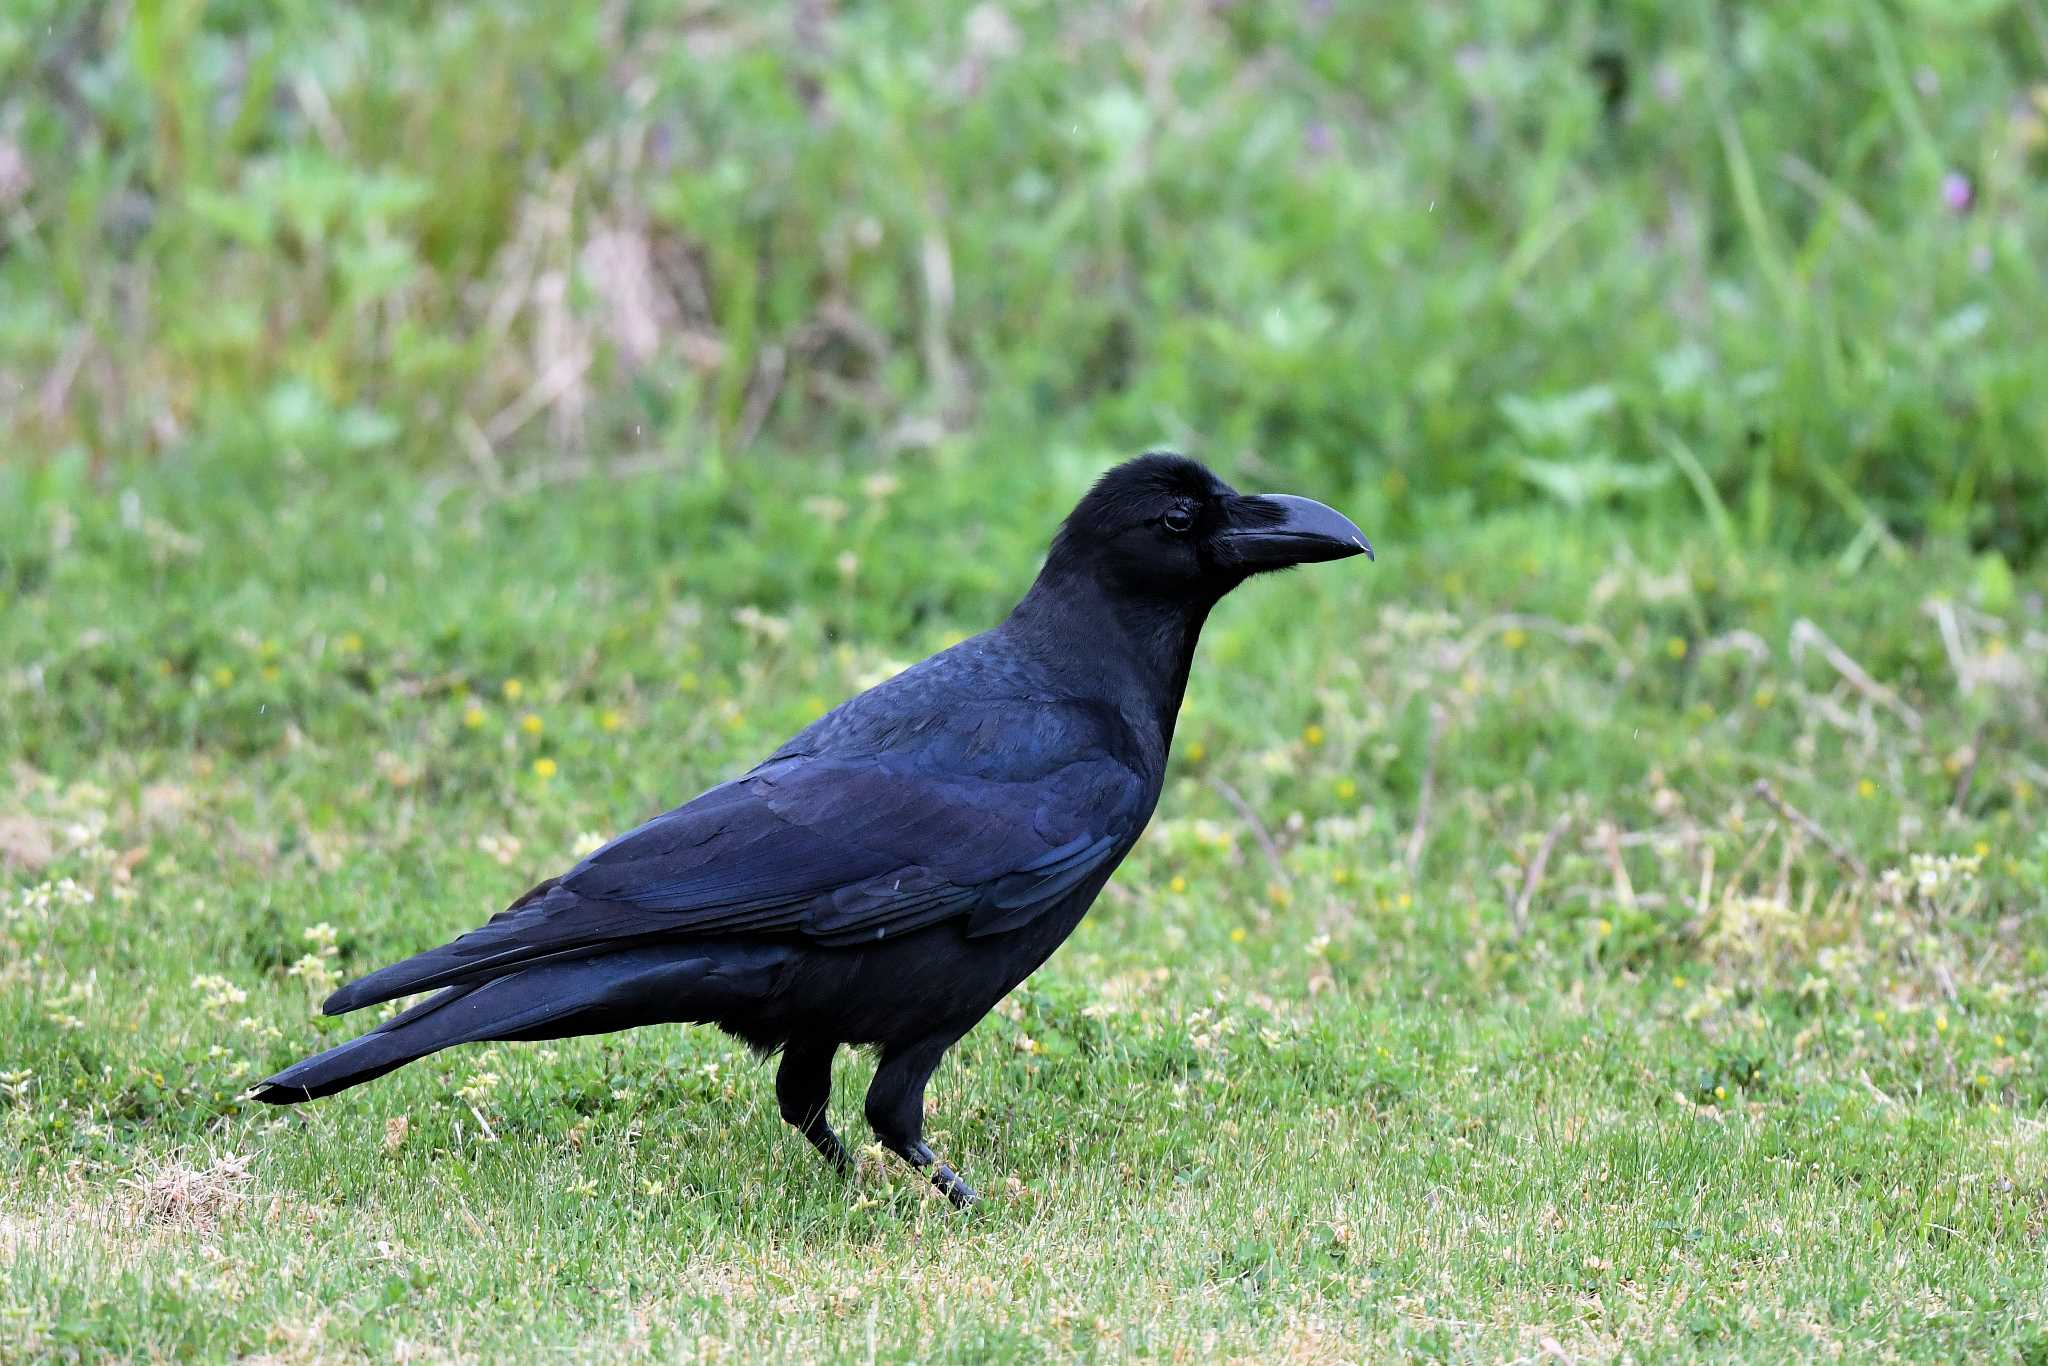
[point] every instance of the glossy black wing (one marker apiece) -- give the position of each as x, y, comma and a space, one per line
980, 820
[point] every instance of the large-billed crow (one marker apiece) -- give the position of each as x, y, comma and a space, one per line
888, 875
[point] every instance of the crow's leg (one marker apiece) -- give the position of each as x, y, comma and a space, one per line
803, 1086
895, 1108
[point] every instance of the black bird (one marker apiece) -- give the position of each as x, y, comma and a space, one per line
887, 876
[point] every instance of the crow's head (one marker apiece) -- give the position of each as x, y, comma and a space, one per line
1164, 526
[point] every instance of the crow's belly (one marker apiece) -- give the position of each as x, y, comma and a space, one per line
935, 981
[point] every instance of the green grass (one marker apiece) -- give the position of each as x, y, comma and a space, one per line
1748, 1106
374, 378
1774, 266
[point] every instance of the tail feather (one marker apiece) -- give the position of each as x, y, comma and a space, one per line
432, 969
541, 927
651, 985
399, 1040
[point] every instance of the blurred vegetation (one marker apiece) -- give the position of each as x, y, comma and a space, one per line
1772, 267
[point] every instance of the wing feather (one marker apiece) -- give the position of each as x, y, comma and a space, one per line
837, 851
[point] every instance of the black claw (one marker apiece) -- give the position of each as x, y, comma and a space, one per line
834, 1152
953, 1187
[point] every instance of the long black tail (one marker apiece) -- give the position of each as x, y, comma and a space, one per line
650, 985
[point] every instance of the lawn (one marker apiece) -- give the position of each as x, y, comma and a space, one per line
1614, 924
1464, 997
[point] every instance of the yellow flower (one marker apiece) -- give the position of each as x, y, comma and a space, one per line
1983, 1080
1404, 901
1313, 734
610, 719
1514, 638
1678, 983
1998, 1040
1941, 1024
473, 717
531, 723
1982, 848
1606, 926
1341, 876
350, 643
514, 690
1346, 789
1720, 1093
1676, 647
1237, 935
223, 676
1763, 697
1878, 1017
1197, 752
1865, 788
1177, 885
543, 767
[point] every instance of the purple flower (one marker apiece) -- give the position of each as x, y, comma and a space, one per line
1957, 192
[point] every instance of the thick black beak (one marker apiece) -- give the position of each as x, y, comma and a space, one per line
1274, 530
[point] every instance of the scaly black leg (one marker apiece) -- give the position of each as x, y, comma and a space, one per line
803, 1088
895, 1108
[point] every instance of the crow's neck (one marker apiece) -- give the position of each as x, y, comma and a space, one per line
1131, 651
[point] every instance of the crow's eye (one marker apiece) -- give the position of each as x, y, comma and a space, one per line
1178, 521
